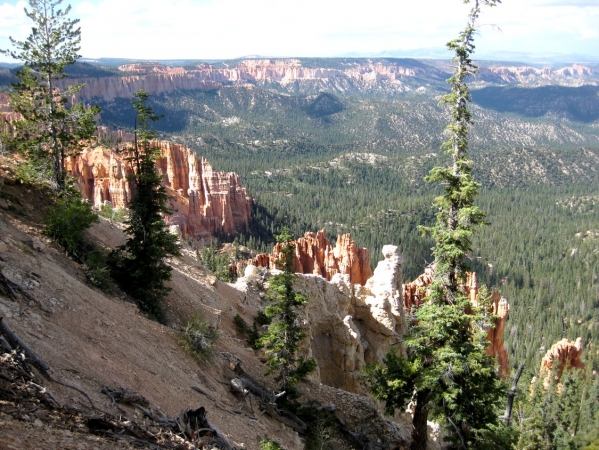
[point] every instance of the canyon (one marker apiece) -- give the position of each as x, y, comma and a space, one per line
203, 202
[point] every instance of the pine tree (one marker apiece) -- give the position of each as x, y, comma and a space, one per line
50, 129
139, 266
281, 341
446, 365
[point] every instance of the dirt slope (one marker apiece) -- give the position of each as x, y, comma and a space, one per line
92, 340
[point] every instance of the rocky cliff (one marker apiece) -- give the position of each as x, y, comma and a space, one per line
157, 78
562, 355
347, 324
314, 255
203, 200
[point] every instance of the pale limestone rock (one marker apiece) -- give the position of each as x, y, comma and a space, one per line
36, 244
348, 325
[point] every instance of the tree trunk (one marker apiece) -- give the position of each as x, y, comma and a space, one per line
511, 395
420, 434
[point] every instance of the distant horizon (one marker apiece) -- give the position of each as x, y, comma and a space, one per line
226, 29
503, 57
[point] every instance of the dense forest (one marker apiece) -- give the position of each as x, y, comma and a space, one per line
355, 162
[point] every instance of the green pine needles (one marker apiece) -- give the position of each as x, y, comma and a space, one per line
50, 129
139, 266
281, 341
445, 369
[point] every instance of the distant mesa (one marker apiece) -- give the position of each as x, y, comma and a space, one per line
157, 77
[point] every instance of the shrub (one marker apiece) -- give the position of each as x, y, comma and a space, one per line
113, 214
68, 218
199, 338
98, 272
266, 444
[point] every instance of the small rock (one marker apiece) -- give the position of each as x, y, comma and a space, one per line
37, 244
41, 414
38, 423
3, 204
3, 246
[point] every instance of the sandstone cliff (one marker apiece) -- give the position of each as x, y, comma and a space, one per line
203, 201
566, 354
574, 74
314, 255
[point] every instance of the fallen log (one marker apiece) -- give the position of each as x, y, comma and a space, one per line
15, 341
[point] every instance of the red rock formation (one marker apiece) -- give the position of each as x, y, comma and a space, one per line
566, 354
314, 255
501, 309
203, 201
414, 292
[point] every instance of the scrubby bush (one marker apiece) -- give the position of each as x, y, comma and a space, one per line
68, 218
266, 444
199, 338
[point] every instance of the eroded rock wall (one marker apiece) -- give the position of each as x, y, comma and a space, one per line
157, 78
349, 325
203, 201
314, 255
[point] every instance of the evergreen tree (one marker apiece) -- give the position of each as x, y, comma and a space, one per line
281, 341
139, 265
446, 365
50, 129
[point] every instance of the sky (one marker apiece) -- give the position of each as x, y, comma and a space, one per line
223, 29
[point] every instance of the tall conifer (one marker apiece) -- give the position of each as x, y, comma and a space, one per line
446, 367
49, 129
139, 265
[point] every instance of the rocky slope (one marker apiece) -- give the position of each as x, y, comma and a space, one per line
203, 200
92, 340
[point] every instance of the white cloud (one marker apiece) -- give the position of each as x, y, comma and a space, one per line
203, 29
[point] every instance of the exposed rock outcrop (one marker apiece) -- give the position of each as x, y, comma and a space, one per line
566, 354
349, 325
314, 255
203, 200
501, 309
